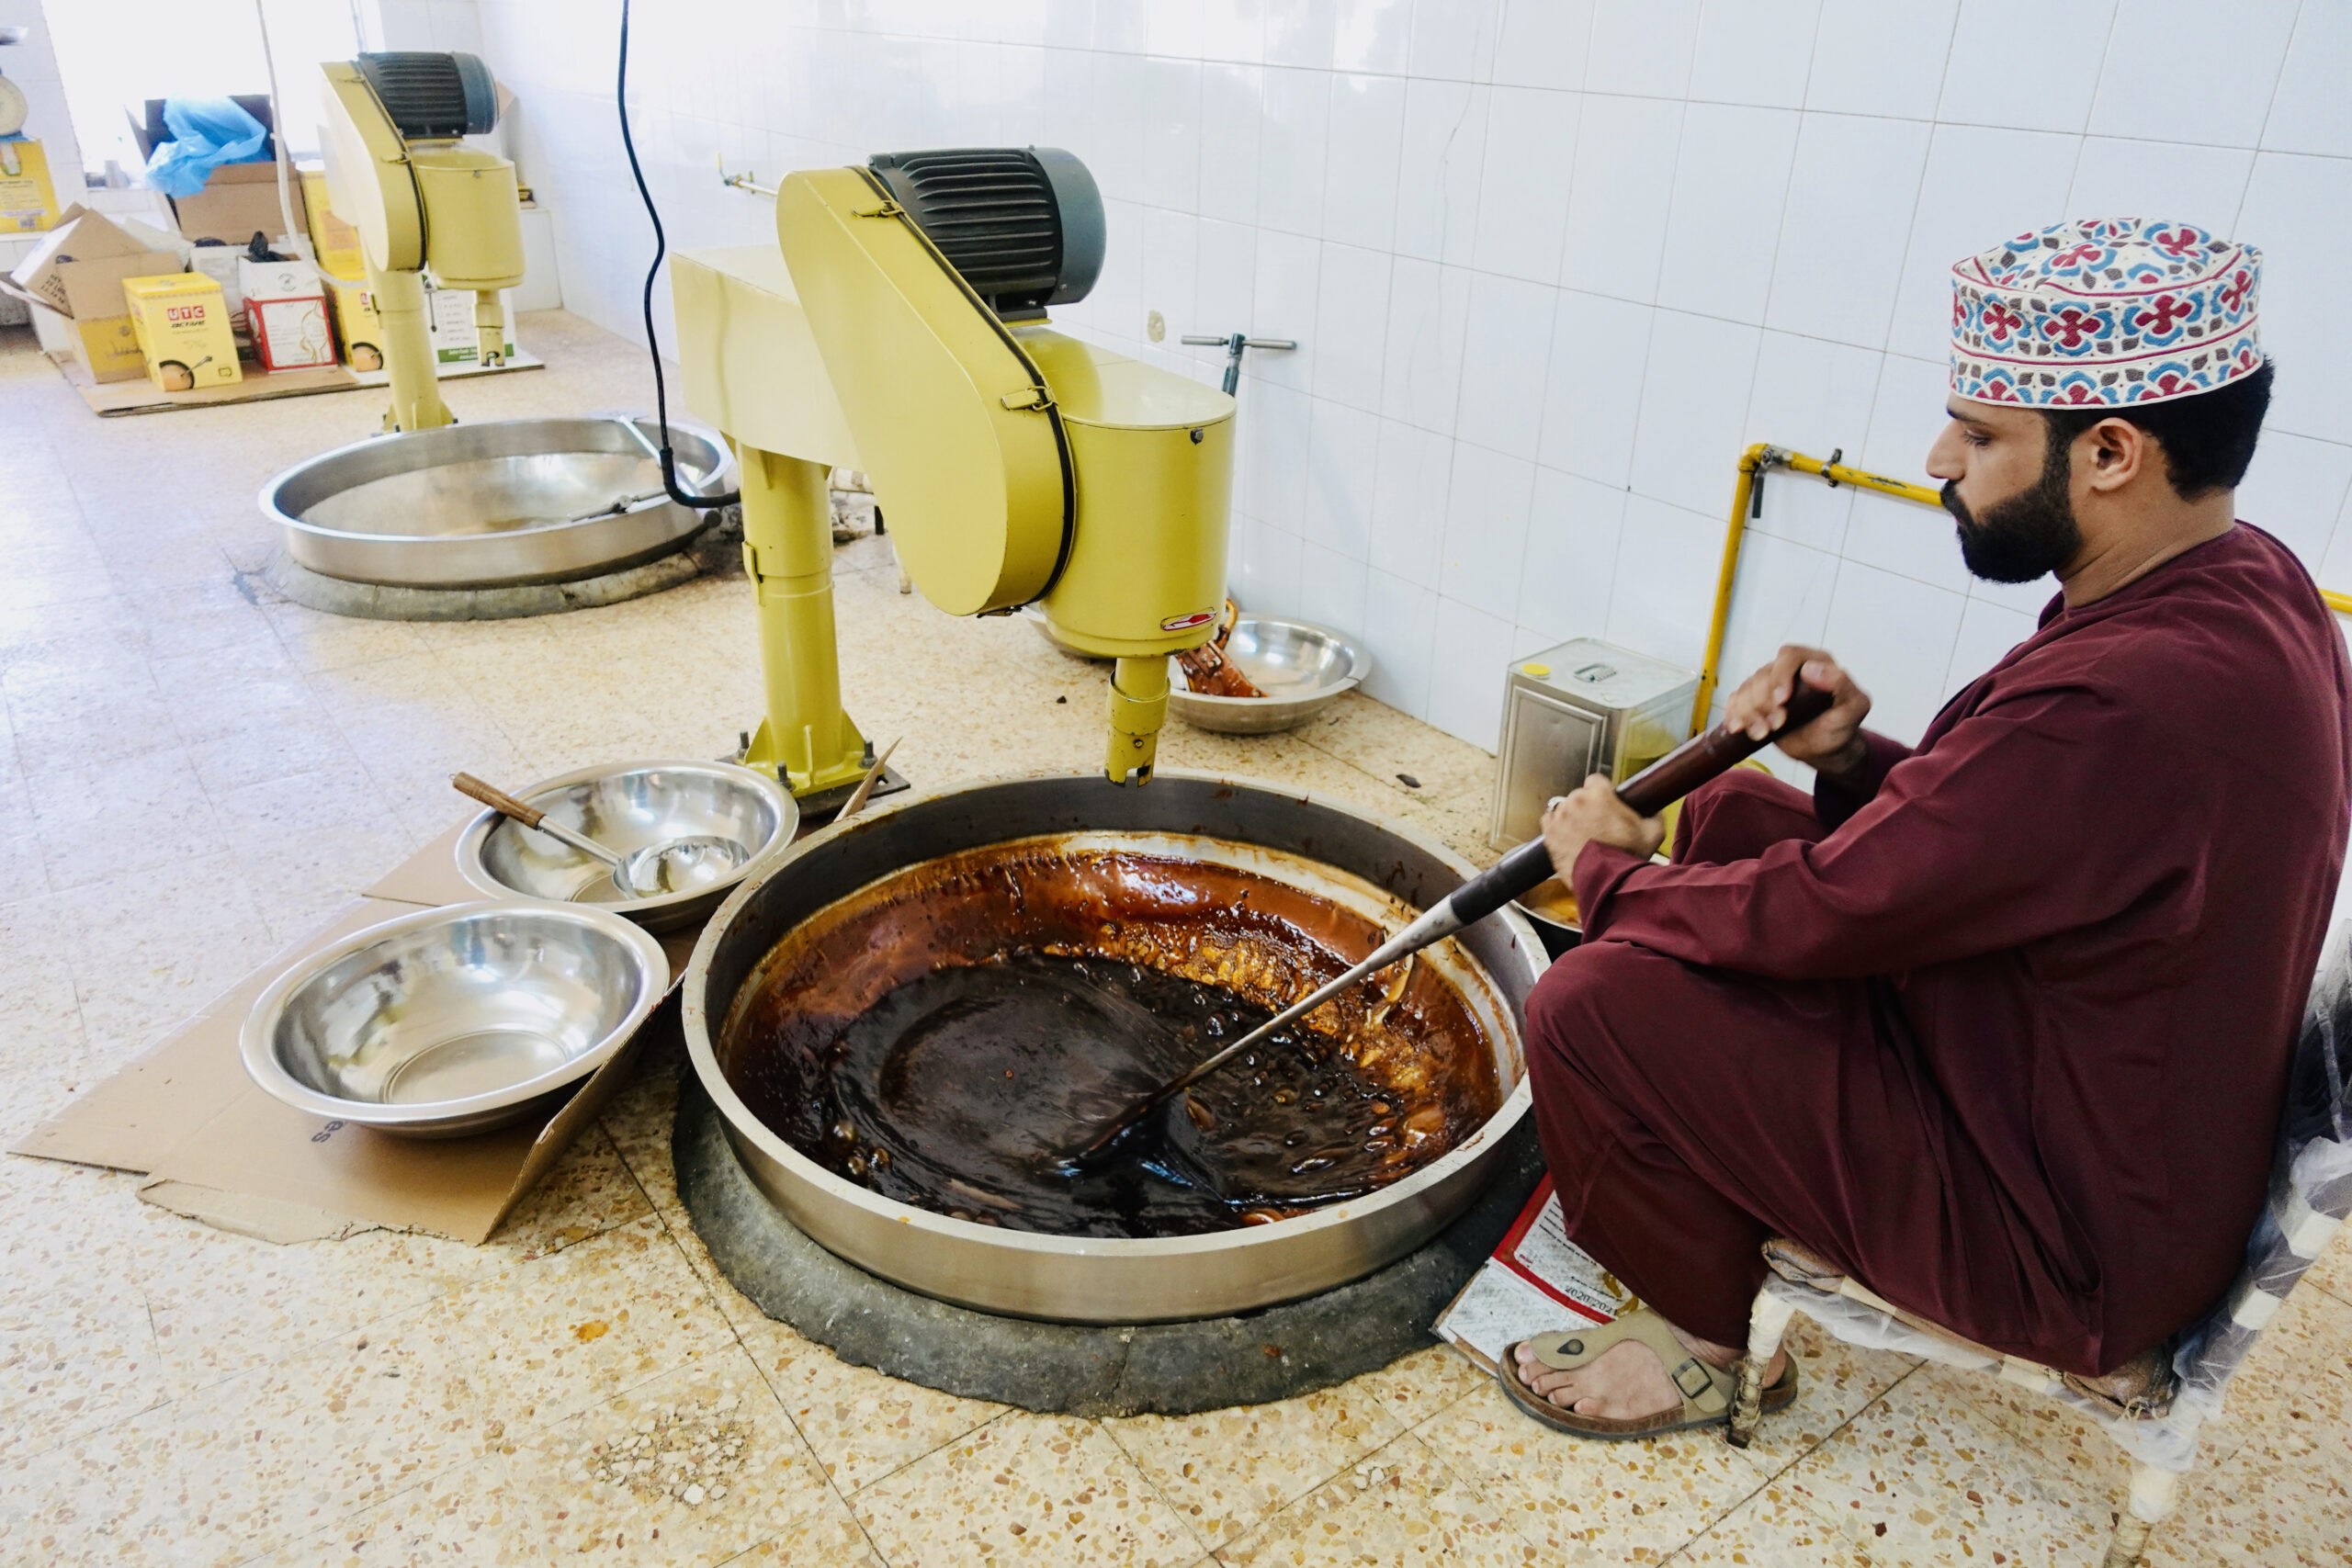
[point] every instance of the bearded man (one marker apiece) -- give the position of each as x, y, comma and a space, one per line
1997, 1024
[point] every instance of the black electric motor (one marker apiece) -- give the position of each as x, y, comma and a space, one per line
431, 96
1022, 225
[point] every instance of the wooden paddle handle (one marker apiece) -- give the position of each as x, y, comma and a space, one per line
496, 799
1695, 762
1648, 792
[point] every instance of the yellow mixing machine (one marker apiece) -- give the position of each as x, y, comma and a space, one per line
899, 326
399, 171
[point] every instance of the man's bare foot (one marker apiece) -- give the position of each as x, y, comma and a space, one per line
1627, 1382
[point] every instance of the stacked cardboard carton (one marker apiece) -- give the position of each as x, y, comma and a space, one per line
76, 277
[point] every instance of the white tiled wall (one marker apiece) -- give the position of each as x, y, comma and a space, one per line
1552, 263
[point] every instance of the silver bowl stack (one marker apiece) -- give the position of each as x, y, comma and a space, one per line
468, 1017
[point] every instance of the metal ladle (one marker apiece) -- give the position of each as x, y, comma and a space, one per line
675, 865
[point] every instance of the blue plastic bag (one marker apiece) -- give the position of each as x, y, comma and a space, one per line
206, 133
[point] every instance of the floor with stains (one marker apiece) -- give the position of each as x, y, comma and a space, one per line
194, 772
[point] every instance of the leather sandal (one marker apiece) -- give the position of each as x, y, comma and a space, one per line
1707, 1391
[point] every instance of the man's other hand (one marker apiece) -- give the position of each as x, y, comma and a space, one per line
1594, 815
1832, 743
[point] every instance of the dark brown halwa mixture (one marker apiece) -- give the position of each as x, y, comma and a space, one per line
943, 1036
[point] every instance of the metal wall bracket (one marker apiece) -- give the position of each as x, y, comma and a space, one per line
1233, 344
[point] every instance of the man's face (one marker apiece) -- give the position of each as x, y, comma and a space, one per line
2008, 491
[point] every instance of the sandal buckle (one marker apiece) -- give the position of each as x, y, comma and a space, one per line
1695, 1371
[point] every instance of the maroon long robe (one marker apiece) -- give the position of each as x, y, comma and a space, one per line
2004, 1030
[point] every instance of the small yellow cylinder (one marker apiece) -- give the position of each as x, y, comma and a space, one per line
1138, 708
408, 351
806, 740
490, 327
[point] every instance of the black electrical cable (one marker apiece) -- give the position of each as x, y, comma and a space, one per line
653, 344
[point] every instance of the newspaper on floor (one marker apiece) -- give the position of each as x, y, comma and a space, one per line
1537, 1280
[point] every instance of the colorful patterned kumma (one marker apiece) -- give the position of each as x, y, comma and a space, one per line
2104, 312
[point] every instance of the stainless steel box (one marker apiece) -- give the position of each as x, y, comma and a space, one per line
1582, 708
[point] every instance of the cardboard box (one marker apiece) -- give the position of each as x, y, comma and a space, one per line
238, 201
216, 1148
336, 242
286, 311
181, 321
219, 263
27, 195
356, 326
76, 275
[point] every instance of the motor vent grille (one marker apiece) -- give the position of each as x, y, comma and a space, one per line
997, 217
431, 96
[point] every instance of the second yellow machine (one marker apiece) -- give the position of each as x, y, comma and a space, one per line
398, 171
899, 326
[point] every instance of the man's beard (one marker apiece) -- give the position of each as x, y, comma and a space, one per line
2027, 536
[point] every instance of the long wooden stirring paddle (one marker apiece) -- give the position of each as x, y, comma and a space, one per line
1648, 792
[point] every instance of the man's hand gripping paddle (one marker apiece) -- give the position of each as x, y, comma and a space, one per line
1646, 793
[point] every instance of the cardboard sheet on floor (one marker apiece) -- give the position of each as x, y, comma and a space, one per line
216, 1148
112, 399
429, 876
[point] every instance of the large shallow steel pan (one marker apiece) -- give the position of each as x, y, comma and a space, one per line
503, 503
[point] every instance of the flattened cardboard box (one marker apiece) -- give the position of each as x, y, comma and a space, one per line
216, 1148
77, 275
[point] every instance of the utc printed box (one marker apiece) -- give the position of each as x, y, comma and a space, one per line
182, 324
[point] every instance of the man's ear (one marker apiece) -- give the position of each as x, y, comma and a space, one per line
2113, 453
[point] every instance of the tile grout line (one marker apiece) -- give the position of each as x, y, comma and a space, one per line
1208, 1553
1826, 1439
711, 1294
1265, 1525
419, 1309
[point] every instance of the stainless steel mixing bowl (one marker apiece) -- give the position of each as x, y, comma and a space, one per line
1334, 850
453, 1021
506, 501
1303, 669
625, 806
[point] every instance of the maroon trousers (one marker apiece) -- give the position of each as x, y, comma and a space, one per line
1687, 1112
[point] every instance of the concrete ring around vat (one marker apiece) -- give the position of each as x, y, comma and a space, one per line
1155, 1368
716, 550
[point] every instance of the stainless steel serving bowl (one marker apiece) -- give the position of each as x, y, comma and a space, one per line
1335, 850
625, 806
506, 501
453, 1021
1303, 669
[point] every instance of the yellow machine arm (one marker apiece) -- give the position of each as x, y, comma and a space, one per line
423, 201
905, 333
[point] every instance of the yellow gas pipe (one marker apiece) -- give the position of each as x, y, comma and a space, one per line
1745, 499
1745, 503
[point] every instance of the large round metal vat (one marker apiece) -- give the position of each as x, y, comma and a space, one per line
1342, 851
507, 502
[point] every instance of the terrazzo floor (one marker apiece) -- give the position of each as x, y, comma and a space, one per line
193, 771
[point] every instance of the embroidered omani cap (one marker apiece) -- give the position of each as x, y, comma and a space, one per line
2104, 312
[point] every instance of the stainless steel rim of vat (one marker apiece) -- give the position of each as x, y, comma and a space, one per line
625, 806
511, 1001
1301, 667
503, 503
1076, 1279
